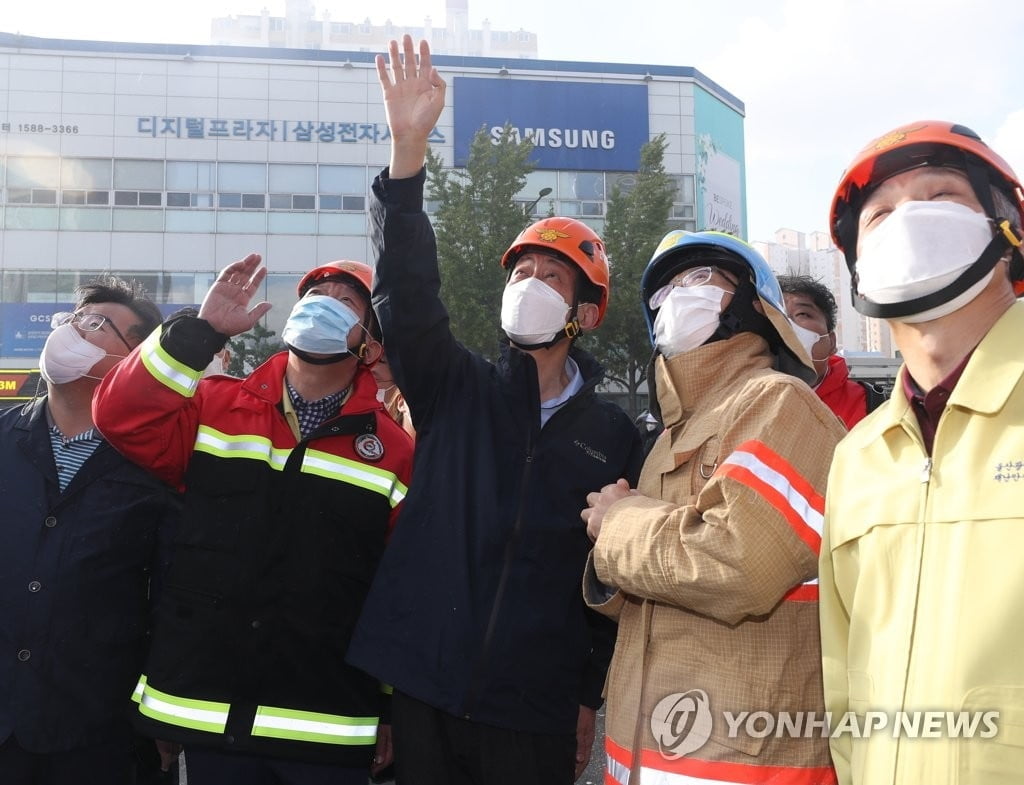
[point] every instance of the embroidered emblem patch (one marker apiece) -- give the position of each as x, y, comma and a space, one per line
369, 447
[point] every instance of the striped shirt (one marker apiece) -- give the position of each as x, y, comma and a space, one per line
70, 454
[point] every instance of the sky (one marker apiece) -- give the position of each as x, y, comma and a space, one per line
819, 78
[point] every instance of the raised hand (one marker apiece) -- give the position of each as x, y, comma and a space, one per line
226, 305
413, 99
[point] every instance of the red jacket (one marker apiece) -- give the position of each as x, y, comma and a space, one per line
276, 549
846, 398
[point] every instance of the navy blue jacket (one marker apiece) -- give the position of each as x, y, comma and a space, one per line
476, 608
75, 574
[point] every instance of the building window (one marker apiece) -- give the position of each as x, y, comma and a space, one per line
33, 172
581, 185
31, 196
251, 178
253, 201
86, 173
190, 183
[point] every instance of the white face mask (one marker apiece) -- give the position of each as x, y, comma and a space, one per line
687, 318
68, 357
532, 312
918, 249
810, 340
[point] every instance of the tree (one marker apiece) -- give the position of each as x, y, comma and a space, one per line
250, 350
476, 220
635, 223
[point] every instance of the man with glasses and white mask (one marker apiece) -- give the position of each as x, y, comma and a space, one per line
710, 564
78, 549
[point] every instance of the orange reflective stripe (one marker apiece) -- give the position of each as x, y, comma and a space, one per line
763, 470
691, 771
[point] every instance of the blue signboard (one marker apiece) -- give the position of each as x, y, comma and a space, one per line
24, 327
573, 125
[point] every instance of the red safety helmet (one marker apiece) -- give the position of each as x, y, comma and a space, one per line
342, 270
572, 240
924, 143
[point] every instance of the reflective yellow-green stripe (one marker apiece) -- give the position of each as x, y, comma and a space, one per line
333, 467
322, 464
165, 369
277, 723
257, 448
202, 715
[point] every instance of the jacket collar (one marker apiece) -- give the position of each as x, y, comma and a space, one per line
267, 384
992, 373
700, 379
837, 376
592, 372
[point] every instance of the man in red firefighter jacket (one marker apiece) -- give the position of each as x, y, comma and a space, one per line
292, 478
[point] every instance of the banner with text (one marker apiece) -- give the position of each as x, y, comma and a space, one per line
574, 125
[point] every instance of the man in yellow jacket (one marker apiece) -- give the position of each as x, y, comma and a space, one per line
922, 586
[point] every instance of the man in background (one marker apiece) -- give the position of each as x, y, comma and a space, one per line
79, 549
812, 307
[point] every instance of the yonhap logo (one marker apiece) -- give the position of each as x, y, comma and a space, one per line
681, 723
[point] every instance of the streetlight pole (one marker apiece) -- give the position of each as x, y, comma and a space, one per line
528, 210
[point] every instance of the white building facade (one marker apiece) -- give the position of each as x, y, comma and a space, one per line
813, 254
299, 28
165, 163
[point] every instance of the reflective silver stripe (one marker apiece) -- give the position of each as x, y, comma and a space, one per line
334, 467
619, 772
165, 369
137, 692
209, 716
272, 722
322, 464
260, 448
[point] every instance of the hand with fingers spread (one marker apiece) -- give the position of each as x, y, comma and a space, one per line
226, 305
413, 99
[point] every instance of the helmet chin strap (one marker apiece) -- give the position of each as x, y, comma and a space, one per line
328, 360
571, 329
981, 267
740, 316
1003, 240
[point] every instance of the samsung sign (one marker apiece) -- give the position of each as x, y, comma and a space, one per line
573, 125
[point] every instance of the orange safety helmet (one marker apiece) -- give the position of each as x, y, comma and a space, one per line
925, 143
572, 240
342, 270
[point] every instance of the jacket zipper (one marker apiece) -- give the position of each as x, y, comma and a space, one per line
468, 704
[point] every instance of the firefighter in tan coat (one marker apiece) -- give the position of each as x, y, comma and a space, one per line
710, 565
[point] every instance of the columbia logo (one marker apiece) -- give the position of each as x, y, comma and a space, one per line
597, 455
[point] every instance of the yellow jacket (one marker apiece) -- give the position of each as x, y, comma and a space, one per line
922, 580
715, 569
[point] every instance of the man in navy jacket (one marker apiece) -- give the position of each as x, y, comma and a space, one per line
475, 615
78, 549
